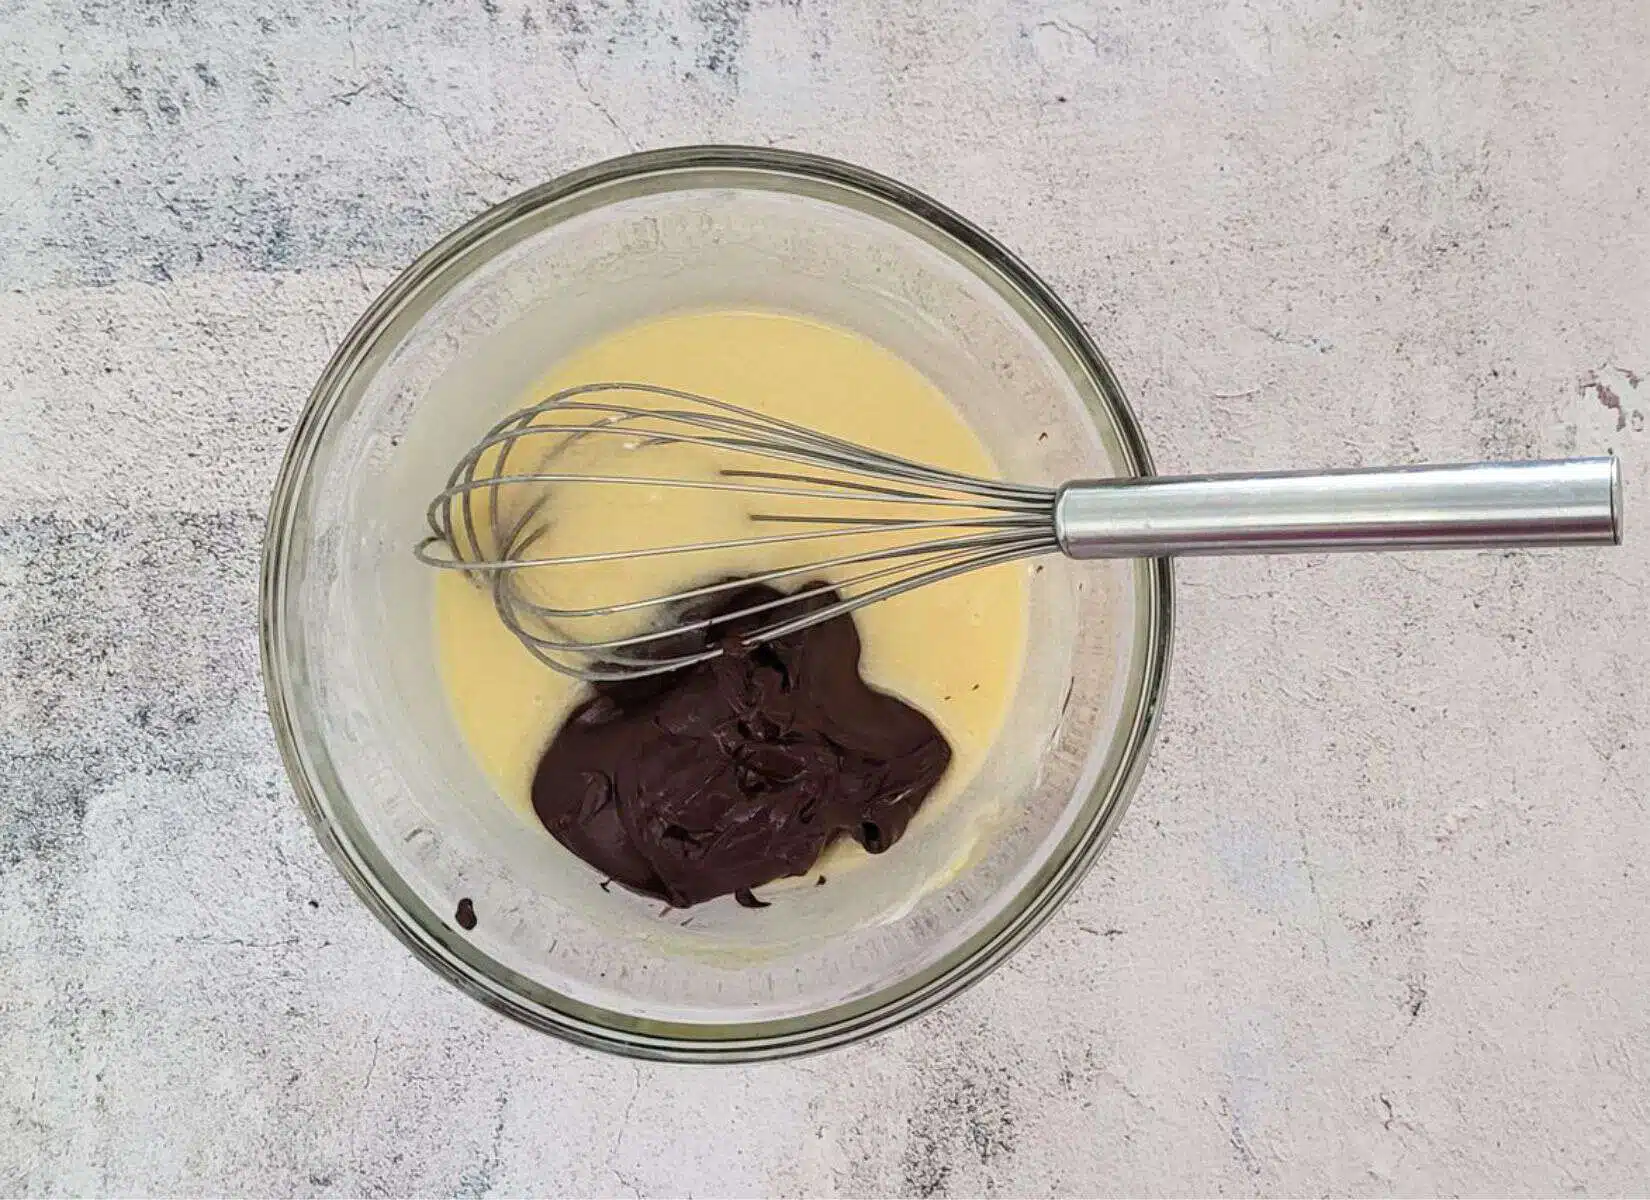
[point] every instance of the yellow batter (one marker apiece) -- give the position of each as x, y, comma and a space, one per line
953, 649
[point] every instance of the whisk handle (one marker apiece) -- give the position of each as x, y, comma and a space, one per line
1565, 502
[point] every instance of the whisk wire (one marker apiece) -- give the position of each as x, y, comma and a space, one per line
936, 524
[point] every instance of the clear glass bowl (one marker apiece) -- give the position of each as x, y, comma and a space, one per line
350, 666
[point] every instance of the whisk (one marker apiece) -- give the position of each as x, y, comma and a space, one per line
884, 525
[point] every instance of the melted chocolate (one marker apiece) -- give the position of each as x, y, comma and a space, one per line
732, 773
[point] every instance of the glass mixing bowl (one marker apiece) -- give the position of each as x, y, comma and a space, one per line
349, 657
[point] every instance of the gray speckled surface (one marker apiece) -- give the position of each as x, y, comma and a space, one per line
1379, 919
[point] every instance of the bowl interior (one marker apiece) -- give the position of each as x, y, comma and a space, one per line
389, 780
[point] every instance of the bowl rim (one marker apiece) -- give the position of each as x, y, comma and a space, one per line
424, 932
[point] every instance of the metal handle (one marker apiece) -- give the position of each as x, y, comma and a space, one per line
1567, 502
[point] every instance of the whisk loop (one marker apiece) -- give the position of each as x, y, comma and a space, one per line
888, 524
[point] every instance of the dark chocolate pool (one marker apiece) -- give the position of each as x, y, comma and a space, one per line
735, 772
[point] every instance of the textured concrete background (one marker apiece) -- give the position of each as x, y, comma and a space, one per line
1379, 919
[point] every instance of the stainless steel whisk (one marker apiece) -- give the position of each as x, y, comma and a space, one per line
922, 524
